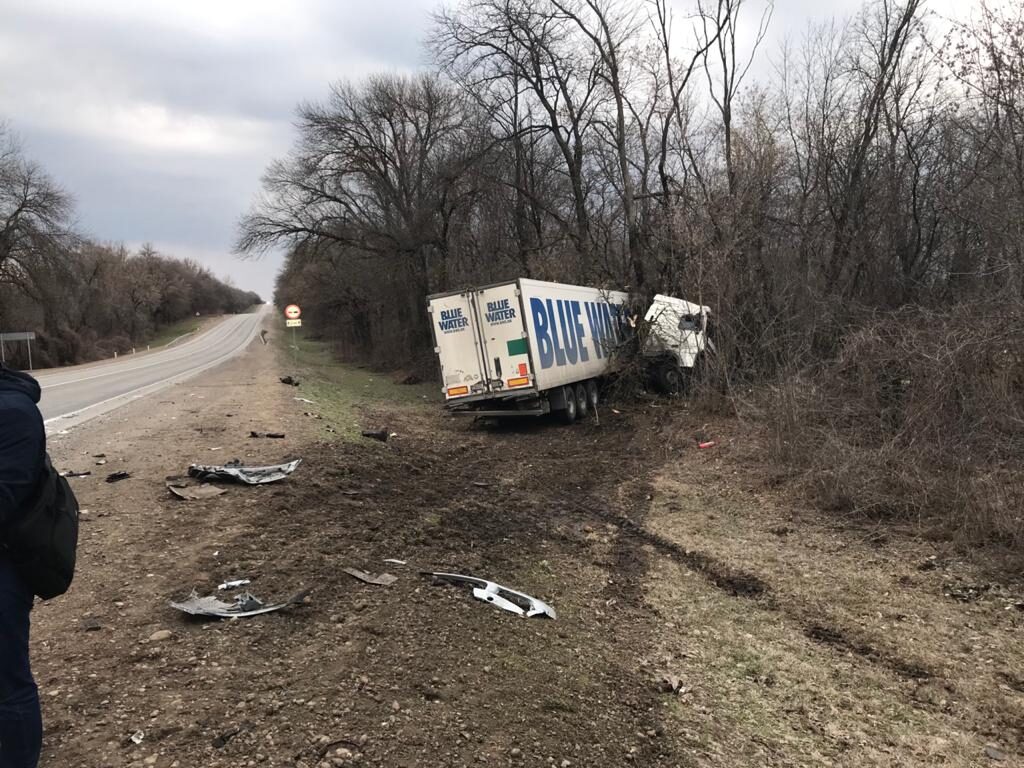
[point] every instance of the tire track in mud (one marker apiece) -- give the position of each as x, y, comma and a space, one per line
628, 563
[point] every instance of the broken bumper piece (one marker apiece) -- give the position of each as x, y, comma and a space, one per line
248, 475
507, 599
244, 605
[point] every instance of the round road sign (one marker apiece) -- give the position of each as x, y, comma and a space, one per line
292, 312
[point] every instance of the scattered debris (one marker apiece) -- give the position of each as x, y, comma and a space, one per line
393, 561
91, 624
137, 737
73, 473
249, 475
245, 605
289, 381
965, 593
115, 477
376, 434
101, 462
382, 580
160, 635
234, 584
263, 336
481, 484
272, 435
221, 741
194, 492
930, 564
312, 415
669, 683
706, 444
304, 400
497, 595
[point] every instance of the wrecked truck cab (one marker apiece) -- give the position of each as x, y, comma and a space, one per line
675, 342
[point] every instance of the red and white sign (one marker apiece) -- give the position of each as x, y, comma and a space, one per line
292, 312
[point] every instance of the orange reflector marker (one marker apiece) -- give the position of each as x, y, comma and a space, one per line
456, 391
519, 382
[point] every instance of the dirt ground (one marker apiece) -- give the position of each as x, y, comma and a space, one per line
789, 637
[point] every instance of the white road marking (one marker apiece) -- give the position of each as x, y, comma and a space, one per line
138, 392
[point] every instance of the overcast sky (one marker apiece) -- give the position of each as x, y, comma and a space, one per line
159, 117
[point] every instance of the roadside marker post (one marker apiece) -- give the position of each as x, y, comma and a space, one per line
292, 319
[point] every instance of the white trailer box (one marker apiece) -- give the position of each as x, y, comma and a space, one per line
518, 345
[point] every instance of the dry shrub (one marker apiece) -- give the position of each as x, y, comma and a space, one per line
920, 417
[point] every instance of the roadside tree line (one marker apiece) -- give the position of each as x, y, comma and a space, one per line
86, 300
852, 211
632, 143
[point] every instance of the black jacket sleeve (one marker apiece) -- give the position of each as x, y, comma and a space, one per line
21, 451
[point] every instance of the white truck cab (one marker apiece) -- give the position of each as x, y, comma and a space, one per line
677, 338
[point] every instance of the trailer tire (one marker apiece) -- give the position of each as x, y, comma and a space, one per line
582, 402
592, 395
568, 414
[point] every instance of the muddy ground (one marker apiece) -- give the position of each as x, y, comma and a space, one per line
790, 637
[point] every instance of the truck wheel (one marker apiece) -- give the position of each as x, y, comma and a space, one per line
670, 378
592, 395
582, 405
568, 414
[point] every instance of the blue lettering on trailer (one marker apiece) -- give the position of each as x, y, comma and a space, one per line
559, 352
545, 349
564, 317
452, 320
499, 312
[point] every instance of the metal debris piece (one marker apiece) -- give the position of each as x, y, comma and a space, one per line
490, 592
249, 475
382, 580
669, 683
137, 737
194, 492
245, 605
376, 434
73, 473
234, 584
114, 477
273, 435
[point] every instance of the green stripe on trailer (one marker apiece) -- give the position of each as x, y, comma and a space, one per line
518, 347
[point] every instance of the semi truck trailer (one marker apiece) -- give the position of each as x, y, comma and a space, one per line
529, 347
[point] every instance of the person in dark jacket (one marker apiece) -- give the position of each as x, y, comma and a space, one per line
22, 457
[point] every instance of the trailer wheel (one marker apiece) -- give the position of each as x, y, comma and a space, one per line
568, 414
592, 395
582, 402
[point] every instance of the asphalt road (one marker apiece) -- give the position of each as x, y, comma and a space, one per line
74, 395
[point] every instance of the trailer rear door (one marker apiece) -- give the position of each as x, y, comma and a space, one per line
506, 351
458, 347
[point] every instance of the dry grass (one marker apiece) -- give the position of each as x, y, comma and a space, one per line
920, 417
